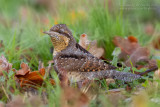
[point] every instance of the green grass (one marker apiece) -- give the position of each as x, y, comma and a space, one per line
95, 20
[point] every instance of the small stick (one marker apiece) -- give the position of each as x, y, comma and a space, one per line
5, 93
149, 70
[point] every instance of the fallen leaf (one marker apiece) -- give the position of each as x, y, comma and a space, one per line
91, 46
126, 45
84, 41
139, 55
72, 97
26, 77
4, 65
132, 39
24, 69
33, 78
42, 71
133, 54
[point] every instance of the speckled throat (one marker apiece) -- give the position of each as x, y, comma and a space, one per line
59, 44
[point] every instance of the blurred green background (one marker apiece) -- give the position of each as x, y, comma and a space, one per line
22, 23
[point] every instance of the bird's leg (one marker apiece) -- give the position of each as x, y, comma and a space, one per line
83, 83
64, 79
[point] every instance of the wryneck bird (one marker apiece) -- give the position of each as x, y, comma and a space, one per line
77, 63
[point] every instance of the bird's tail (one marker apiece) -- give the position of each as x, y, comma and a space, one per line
124, 76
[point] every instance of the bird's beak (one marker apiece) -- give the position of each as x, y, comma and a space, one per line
47, 32
51, 33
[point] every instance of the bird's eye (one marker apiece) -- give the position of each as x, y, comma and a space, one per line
61, 30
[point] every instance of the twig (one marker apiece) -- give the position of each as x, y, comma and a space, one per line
149, 70
5, 93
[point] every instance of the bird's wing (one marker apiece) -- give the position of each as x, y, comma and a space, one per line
80, 63
88, 66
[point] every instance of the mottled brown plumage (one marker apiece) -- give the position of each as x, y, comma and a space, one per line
70, 58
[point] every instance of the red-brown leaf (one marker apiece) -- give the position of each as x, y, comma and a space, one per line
132, 39
24, 69
42, 71
125, 44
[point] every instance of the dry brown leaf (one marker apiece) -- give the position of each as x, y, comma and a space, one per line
72, 97
25, 76
126, 45
4, 65
83, 41
133, 54
132, 39
33, 78
91, 46
24, 69
140, 54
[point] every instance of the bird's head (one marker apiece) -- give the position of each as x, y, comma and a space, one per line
61, 37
